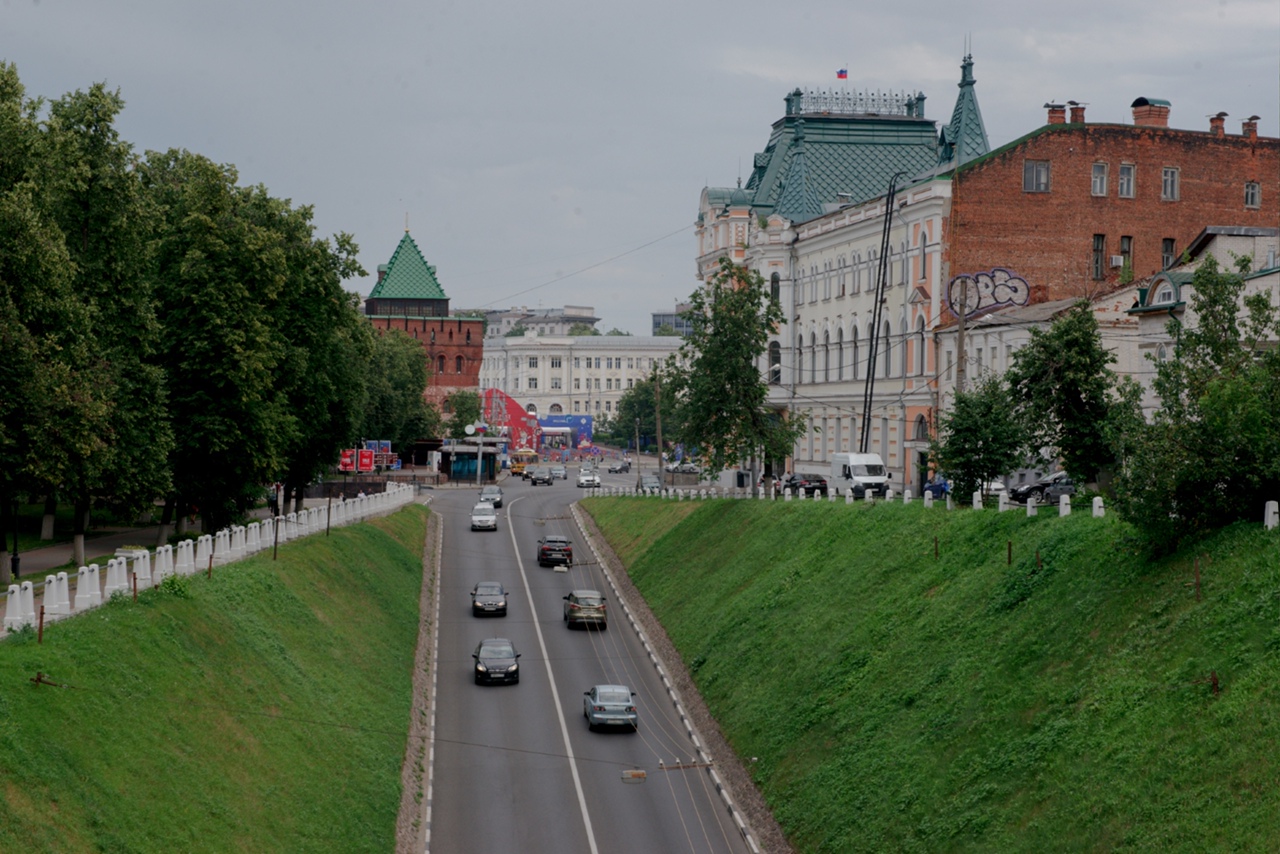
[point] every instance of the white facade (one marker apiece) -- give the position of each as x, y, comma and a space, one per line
540, 321
571, 375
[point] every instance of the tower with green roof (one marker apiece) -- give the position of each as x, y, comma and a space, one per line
407, 286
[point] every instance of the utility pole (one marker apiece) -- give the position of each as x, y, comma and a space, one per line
637, 453
657, 415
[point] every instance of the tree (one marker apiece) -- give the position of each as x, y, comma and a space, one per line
640, 402
580, 329
466, 408
666, 330
1064, 390
616, 332
397, 374
515, 331
980, 438
1211, 454
721, 392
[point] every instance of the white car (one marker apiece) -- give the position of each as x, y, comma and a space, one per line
484, 517
589, 479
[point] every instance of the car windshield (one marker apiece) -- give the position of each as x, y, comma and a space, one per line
491, 490
868, 471
613, 695
497, 650
556, 541
489, 589
482, 510
592, 600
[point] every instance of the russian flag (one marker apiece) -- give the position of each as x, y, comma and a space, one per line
842, 74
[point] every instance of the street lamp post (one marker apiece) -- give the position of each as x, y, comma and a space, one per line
638, 478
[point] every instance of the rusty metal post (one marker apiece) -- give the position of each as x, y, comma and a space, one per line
1037, 560
135, 587
1010, 553
1198, 585
40, 627
210, 564
328, 516
935, 547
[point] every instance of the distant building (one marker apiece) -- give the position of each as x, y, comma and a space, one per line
540, 321
675, 319
408, 297
571, 375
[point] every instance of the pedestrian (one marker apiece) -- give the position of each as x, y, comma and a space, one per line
273, 499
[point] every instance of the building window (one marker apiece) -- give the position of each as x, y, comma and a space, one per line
577, 362
556, 409
1098, 186
950, 364
630, 363
1167, 255
608, 385
608, 406
577, 406
577, 383
631, 383
555, 383
597, 406
440, 364
840, 353
1035, 176
1169, 184
1126, 251
1125, 188
1099, 256
597, 366
555, 361
1253, 195
533, 361
457, 365
597, 383
775, 287
515, 384
533, 383
826, 357
775, 362
1164, 296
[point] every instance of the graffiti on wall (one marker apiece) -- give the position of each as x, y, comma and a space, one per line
987, 291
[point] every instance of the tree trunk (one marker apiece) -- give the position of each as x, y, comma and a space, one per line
50, 513
6, 531
80, 525
299, 497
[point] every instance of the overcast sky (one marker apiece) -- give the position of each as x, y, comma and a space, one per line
553, 151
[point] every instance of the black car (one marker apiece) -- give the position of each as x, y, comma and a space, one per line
496, 661
555, 548
621, 467
810, 483
542, 475
1024, 491
489, 597
492, 494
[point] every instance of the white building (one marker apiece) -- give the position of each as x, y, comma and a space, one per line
563, 374
540, 321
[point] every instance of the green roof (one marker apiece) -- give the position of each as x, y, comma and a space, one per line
408, 275
966, 136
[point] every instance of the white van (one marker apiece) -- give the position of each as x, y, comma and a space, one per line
859, 472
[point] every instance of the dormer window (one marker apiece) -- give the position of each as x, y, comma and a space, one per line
1164, 295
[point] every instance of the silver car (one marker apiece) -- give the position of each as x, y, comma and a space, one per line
610, 705
585, 607
484, 517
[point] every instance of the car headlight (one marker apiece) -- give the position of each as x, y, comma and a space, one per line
513, 668
481, 667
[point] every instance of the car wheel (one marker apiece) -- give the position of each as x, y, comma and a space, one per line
603, 625
590, 726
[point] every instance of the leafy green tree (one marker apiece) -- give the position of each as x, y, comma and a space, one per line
722, 395
397, 374
219, 270
580, 329
618, 333
640, 401
1063, 386
465, 407
980, 438
666, 330
1211, 454
515, 331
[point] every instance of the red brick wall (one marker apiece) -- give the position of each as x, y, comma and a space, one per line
445, 337
1047, 238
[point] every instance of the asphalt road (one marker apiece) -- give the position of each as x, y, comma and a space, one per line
515, 767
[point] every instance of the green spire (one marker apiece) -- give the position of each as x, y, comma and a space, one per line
408, 275
798, 202
965, 138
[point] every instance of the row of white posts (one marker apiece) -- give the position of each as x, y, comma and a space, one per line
138, 569
1270, 520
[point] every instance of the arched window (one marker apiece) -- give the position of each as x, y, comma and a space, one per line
872, 351
775, 288
440, 364
922, 429
457, 365
826, 357
468, 336
853, 360
775, 361
532, 408
840, 353
800, 358
886, 362
813, 357
920, 352
556, 409
902, 347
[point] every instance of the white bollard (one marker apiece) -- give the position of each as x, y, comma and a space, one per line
906, 496
786, 493
888, 494
1098, 512
13, 609
83, 601
949, 504
95, 586
1031, 505
1002, 502
116, 577
848, 496
869, 496
52, 599
1271, 515
142, 568
1064, 506
977, 499
928, 500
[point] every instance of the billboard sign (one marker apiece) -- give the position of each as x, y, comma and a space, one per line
365, 460
347, 459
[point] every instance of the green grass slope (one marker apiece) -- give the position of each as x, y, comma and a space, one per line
888, 700
265, 709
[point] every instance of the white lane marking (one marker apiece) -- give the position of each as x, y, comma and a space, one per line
555, 693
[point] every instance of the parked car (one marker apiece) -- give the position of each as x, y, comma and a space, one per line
585, 607
588, 479
540, 474
688, 467
1060, 487
559, 473
620, 467
1024, 491
495, 660
489, 597
492, 494
555, 549
484, 517
650, 481
810, 483
610, 705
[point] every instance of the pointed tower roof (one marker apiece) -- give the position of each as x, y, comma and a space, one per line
965, 138
798, 202
408, 275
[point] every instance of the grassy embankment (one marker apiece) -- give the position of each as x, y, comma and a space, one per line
263, 710
894, 701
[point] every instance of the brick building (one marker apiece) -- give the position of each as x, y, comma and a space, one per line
408, 297
1073, 208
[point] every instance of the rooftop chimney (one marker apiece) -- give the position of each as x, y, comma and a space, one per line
1077, 112
1153, 112
1249, 127
1216, 123
1057, 113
